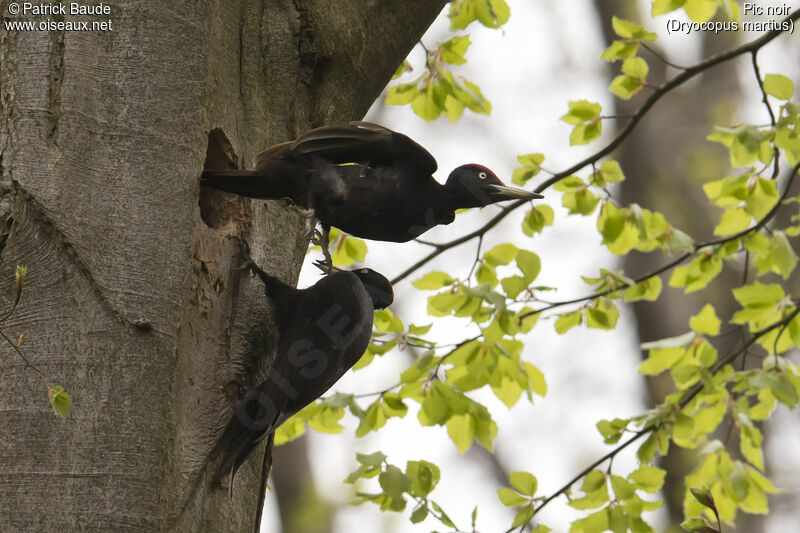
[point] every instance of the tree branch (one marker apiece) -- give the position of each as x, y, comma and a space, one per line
698, 246
667, 87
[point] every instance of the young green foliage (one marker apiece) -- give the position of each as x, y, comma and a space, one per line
586, 119
631, 36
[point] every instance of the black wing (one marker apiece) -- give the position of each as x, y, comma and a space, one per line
366, 143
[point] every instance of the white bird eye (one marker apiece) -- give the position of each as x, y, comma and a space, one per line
482, 175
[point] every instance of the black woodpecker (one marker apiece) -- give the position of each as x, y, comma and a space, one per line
366, 180
323, 331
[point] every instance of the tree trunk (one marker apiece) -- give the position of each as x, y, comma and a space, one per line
131, 302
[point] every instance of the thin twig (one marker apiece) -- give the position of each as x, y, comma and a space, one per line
775, 152
19, 352
754, 60
660, 56
477, 257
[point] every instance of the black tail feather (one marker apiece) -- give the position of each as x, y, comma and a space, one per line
252, 184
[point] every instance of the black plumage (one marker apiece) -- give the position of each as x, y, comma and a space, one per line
323, 331
366, 180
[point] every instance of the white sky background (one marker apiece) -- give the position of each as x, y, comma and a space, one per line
547, 55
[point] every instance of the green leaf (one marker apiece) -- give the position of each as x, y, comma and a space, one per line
290, 430
699, 524
602, 314
348, 250
596, 490
632, 79
531, 165
747, 144
502, 254
630, 30
523, 516
704, 497
419, 514
535, 379
700, 10
570, 184
486, 274
750, 442
648, 289
596, 522
419, 330
612, 429
394, 483
580, 202
706, 321
453, 50
511, 498
648, 478
453, 108
425, 105
734, 220
699, 273
659, 360
762, 195
537, 218
371, 459
617, 517
325, 418
777, 256
492, 13
661, 7
609, 172
529, 264
59, 399
586, 133
524, 482
567, 321
433, 280
404, 67
513, 285
758, 294
581, 111
620, 50
424, 477
585, 116
508, 392
19, 277
461, 429
402, 93
778, 86
618, 228
758, 301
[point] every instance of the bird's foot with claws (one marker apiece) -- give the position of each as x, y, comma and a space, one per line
324, 243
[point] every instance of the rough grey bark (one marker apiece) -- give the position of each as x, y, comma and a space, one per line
130, 302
